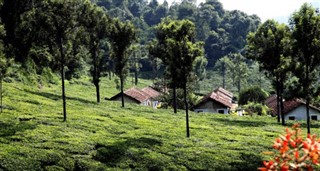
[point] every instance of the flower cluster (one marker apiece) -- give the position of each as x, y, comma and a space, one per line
294, 152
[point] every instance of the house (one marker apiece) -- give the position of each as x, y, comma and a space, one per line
218, 101
294, 109
145, 96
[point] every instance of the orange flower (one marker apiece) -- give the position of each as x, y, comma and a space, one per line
285, 168
295, 153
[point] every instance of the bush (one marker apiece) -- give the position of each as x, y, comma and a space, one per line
253, 94
256, 109
167, 100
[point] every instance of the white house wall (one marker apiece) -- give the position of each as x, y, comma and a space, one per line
300, 113
211, 107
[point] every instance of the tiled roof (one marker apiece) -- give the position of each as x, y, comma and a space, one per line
224, 91
151, 92
271, 102
219, 95
137, 94
288, 105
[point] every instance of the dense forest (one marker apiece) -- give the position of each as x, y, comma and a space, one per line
77, 38
222, 31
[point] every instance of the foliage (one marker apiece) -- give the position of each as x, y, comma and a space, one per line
270, 45
253, 94
235, 65
256, 109
222, 31
97, 27
306, 50
121, 37
295, 153
166, 100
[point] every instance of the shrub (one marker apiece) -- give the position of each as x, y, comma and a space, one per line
253, 94
167, 100
294, 152
256, 109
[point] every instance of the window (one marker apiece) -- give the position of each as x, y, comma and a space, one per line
221, 111
314, 117
292, 118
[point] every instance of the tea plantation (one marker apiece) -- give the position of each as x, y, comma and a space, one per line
107, 137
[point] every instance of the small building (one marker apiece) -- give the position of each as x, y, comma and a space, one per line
294, 109
218, 101
145, 96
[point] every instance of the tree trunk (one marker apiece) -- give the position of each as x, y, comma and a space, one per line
278, 99
281, 103
174, 99
95, 72
187, 109
62, 81
1, 92
97, 91
308, 97
239, 86
121, 87
136, 77
223, 75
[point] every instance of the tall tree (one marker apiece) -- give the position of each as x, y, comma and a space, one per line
199, 69
121, 37
238, 68
305, 24
97, 24
137, 51
19, 38
270, 46
4, 63
155, 60
176, 41
164, 31
57, 22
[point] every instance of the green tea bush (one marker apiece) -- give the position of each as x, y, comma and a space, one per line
256, 109
253, 94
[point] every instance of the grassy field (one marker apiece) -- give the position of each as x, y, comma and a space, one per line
107, 137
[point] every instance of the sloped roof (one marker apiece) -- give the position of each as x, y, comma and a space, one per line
139, 95
135, 94
151, 92
224, 91
220, 95
288, 105
271, 102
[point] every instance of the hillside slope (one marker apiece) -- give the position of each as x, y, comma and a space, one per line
107, 137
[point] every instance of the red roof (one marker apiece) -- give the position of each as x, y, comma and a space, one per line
271, 102
288, 105
137, 94
151, 92
221, 96
224, 91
